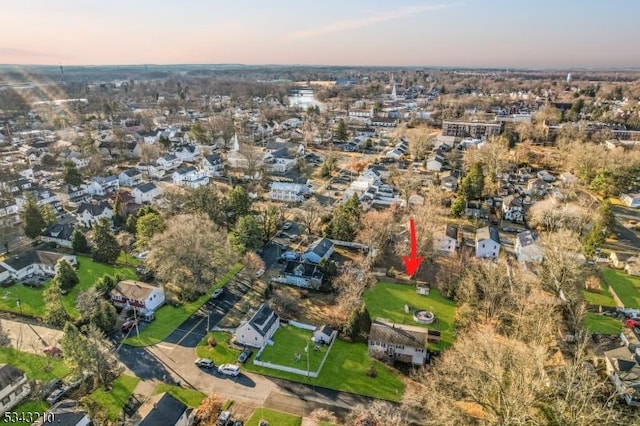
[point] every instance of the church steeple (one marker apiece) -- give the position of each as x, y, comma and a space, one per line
236, 144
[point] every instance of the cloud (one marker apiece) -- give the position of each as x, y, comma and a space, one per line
352, 24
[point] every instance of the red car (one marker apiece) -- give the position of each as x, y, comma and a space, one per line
632, 323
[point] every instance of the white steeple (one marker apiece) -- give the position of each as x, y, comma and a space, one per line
236, 144
394, 96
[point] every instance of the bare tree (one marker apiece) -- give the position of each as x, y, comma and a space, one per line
311, 211
252, 265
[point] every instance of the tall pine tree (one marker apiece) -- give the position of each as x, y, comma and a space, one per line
32, 219
105, 245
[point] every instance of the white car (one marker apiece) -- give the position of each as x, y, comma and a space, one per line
217, 293
229, 369
260, 272
286, 225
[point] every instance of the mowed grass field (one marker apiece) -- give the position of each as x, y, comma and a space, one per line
626, 286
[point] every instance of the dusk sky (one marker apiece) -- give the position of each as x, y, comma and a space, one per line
496, 33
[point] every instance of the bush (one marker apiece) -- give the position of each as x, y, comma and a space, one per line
592, 284
371, 372
212, 342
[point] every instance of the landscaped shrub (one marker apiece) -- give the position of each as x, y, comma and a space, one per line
212, 342
371, 372
592, 284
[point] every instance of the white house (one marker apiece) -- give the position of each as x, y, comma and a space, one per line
448, 182
487, 243
14, 387
289, 192
302, 274
34, 262
512, 208
168, 162
152, 170
143, 297
187, 153
321, 248
66, 412
145, 193
59, 233
88, 214
259, 329
435, 163
446, 241
631, 200
212, 165
527, 248
189, 177
394, 342
623, 370
103, 185
130, 177
324, 334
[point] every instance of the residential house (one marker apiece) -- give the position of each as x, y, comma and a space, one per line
303, 274
399, 150
632, 266
145, 193
568, 178
289, 192
447, 240
130, 177
321, 249
279, 161
153, 171
88, 214
394, 342
73, 196
34, 262
435, 163
487, 243
259, 329
67, 413
512, 208
384, 122
536, 186
168, 162
212, 165
631, 200
125, 202
449, 182
623, 371
103, 185
74, 157
618, 258
189, 177
546, 176
187, 153
143, 297
527, 248
14, 387
163, 409
59, 233
324, 334
472, 129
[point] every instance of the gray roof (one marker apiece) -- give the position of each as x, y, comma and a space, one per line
263, 319
132, 172
214, 159
9, 374
526, 238
308, 269
394, 334
62, 231
146, 187
169, 157
326, 330
94, 209
23, 260
165, 410
451, 231
321, 246
185, 170
488, 233
66, 413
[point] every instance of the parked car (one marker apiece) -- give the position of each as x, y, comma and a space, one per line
260, 272
128, 325
223, 418
56, 396
287, 225
244, 356
204, 363
289, 255
53, 351
294, 237
217, 293
229, 369
49, 387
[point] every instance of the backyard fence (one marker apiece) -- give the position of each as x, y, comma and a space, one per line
616, 299
302, 325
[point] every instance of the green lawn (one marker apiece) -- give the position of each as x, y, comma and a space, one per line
274, 417
114, 400
30, 408
36, 366
344, 370
189, 397
387, 300
626, 287
32, 303
602, 324
288, 341
168, 317
599, 299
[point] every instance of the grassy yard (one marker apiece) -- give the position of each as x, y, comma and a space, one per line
189, 397
274, 417
599, 299
114, 400
387, 300
288, 341
344, 370
168, 317
27, 407
626, 287
36, 366
32, 303
602, 324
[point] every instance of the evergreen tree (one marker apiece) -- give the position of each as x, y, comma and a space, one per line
595, 238
357, 328
48, 215
74, 347
345, 222
31, 216
79, 241
146, 227
342, 134
71, 175
54, 312
66, 276
118, 219
238, 203
458, 206
247, 234
105, 245
607, 217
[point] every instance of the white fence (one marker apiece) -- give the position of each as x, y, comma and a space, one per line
301, 372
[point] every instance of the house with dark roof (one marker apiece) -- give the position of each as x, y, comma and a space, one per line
130, 177
623, 370
59, 233
259, 329
324, 334
103, 185
527, 248
446, 240
34, 263
143, 297
303, 274
163, 410
168, 162
190, 177
65, 413
512, 208
393, 342
88, 214
212, 164
487, 242
322, 248
14, 387
146, 192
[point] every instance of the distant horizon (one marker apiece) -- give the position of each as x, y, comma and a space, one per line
546, 34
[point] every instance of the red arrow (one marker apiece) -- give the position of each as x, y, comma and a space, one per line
411, 264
